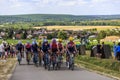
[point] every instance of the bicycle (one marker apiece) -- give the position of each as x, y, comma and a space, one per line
46, 58
71, 60
59, 61
35, 59
19, 57
28, 57
54, 61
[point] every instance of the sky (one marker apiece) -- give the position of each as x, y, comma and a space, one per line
74, 7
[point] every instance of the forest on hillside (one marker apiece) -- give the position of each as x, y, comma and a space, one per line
62, 20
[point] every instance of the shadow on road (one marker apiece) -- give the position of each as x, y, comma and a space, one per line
63, 67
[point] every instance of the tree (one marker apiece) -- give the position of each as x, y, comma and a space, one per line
10, 33
62, 35
101, 35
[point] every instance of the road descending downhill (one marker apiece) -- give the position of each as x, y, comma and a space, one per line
30, 72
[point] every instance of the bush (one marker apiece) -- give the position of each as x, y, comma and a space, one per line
62, 35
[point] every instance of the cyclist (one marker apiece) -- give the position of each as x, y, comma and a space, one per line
40, 53
45, 50
60, 46
28, 51
54, 46
54, 50
71, 49
60, 53
19, 48
35, 52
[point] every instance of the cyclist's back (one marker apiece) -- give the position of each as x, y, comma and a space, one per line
34, 47
54, 47
45, 46
70, 46
28, 46
19, 46
60, 46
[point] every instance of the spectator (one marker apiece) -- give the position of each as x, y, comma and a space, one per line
2, 50
99, 54
118, 51
102, 50
114, 49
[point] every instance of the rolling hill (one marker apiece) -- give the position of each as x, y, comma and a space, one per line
54, 17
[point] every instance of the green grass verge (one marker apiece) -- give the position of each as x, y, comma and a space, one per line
108, 66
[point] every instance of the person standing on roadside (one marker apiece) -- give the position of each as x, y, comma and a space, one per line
2, 50
6, 50
99, 54
118, 51
102, 50
114, 49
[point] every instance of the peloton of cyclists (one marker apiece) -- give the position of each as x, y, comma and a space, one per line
45, 52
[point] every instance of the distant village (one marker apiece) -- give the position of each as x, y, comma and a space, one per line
43, 32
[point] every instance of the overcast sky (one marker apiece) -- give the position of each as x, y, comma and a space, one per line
75, 7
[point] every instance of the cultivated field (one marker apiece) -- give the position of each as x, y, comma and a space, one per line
75, 28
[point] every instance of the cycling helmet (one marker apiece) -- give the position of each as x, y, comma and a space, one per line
60, 40
71, 38
19, 42
45, 40
53, 40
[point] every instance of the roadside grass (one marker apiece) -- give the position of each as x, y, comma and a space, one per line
6, 68
106, 66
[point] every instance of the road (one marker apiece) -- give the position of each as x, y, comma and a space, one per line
30, 72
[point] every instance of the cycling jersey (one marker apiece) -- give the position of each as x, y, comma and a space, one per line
45, 47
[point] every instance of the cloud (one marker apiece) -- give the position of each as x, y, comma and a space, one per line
60, 6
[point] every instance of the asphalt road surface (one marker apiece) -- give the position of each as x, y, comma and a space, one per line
30, 72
